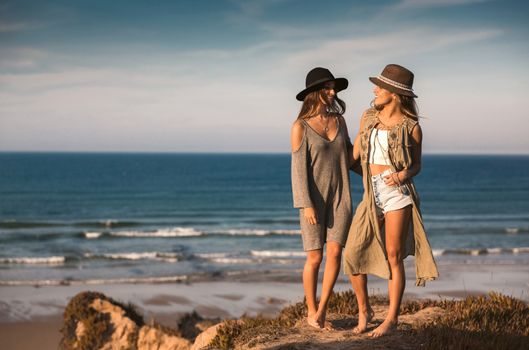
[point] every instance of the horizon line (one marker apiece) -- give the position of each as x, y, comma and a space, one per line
239, 153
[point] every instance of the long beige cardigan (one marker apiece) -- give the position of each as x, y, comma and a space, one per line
365, 251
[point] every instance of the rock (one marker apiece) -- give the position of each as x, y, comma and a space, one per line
204, 338
151, 338
123, 327
94, 321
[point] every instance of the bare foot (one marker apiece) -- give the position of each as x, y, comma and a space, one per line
313, 321
363, 319
324, 324
387, 327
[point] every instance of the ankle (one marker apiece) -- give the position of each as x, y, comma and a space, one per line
365, 310
392, 320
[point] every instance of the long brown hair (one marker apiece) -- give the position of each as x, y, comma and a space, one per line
312, 102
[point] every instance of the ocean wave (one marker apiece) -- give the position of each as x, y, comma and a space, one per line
102, 281
168, 257
516, 230
210, 255
277, 253
480, 251
162, 233
476, 217
92, 235
229, 260
252, 232
49, 260
14, 224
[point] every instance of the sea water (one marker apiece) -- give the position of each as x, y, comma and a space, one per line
102, 218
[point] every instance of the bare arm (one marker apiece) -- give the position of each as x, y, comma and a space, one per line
355, 160
296, 135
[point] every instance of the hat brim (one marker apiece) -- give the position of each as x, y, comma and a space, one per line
391, 88
339, 85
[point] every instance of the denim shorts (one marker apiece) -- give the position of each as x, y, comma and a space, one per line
388, 198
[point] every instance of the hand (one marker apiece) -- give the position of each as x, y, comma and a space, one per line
310, 215
393, 179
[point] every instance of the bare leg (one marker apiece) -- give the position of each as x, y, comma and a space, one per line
332, 268
397, 224
359, 283
365, 312
310, 283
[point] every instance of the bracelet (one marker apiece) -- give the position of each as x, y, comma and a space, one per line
398, 179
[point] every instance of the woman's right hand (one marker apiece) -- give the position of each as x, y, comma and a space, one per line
310, 215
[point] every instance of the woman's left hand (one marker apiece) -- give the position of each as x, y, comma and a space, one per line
392, 180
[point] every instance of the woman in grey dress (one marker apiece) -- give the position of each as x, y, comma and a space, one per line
321, 155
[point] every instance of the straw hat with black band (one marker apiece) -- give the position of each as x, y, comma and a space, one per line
317, 78
396, 79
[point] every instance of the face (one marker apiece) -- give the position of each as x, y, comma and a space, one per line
382, 96
328, 93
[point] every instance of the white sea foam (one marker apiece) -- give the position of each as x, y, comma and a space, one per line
438, 252
211, 255
520, 250
50, 260
169, 257
173, 232
233, 260
494, 250
136, 280
92, 235
512, 230
277, 253
243, 232
286, 232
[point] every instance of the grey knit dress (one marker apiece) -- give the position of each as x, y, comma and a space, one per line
320, 179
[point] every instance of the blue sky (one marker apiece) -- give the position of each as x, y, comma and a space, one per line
221, 76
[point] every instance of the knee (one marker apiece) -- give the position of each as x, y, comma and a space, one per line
314, 259
334, 252
394, 257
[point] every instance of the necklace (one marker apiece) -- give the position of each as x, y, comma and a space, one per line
325, 126
388, 127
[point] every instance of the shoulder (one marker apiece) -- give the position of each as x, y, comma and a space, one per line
298, 126
415, 130
369, 113
297, 135
412, 125
368, 116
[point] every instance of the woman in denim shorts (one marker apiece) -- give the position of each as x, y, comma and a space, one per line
387, 225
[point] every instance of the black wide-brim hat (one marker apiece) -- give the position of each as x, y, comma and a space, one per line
396, 79
317, 78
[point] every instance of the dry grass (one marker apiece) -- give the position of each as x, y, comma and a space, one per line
491, 322
495, 321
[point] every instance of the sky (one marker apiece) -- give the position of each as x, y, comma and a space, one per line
221, 76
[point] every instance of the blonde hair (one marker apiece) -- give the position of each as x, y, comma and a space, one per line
407, 105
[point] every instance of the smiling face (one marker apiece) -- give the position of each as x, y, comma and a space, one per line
382, 96
327, 93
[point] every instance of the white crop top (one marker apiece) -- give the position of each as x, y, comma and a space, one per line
378, 147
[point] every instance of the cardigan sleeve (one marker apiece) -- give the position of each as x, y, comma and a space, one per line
300, 176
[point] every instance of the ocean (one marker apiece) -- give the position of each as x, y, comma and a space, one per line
90, 218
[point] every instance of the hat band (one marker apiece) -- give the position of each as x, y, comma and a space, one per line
395, 83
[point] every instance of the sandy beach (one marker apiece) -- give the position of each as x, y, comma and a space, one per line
38, 310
